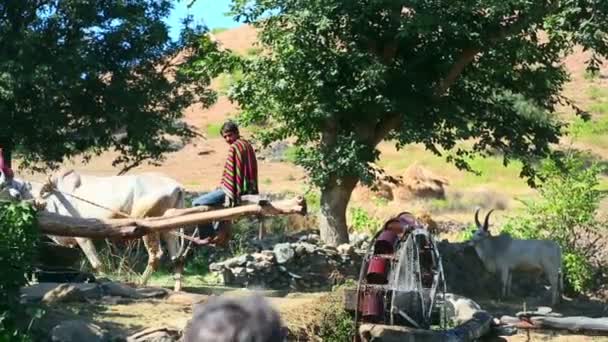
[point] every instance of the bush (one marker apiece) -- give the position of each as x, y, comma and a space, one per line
336, 324
361, 221
566, 213
18, 240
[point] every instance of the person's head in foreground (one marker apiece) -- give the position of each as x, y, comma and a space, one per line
246, 319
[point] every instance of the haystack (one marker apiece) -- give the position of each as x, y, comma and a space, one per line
383, 186
423, 183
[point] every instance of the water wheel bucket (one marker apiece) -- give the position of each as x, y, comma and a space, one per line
372, 307
385, 243
377, 271
395, 226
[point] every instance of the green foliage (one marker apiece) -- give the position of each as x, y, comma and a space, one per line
565, 213
583, 129
361, 221
313, 200
329, 78
227, 80
336, 325
219, 30
467, 234
214, 130
591, 75
342, 76
291, 154
579, 272
598, 93
83, 77
254, 51
18, 240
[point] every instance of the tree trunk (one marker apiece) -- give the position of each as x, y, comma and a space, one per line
332, 218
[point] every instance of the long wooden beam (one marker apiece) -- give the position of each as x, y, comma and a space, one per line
127, 228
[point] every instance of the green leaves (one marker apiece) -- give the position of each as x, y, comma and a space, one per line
342, 76
18, 245
83, 77
337, 68
567, 213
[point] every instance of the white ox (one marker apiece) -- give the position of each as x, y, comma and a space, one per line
502, 254
138, 196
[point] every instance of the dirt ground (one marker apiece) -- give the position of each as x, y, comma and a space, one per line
300, 312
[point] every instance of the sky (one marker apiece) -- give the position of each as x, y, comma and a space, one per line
209, 12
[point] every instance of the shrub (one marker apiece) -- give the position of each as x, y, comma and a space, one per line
18, 239
467, 233
336, 324
361, 221
565, 213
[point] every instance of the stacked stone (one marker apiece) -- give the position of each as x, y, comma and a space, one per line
303, 265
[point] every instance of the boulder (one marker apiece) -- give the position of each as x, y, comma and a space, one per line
283, 252
78, 331
64, 293
35, 293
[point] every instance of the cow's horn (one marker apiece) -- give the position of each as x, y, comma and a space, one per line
477, 218
486, 221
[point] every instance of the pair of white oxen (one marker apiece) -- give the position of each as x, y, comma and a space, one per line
77, 195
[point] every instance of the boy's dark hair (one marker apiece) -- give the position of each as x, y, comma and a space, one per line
229, 126
248, 319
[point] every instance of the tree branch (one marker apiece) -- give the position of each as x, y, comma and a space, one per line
465, 59
468, 54
386, 125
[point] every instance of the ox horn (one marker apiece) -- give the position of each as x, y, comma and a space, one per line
477, 218
486, 221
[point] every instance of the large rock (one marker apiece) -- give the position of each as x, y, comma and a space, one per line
283, 252
166, 334
35, 293
120, 290
64, 293
78, 331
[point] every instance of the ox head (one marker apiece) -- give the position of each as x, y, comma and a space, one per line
482, 231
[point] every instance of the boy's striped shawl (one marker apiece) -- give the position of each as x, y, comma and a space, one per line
240, 175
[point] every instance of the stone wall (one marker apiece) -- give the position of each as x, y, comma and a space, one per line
303, 265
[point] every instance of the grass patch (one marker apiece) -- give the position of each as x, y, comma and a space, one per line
226, 80
290, 154
591, 75
214, 130
219, 30
600, 108
597, 93
253, 51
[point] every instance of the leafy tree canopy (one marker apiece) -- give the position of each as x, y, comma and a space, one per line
342, 76
84, 76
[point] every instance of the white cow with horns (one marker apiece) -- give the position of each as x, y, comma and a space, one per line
144, 195
502, 254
